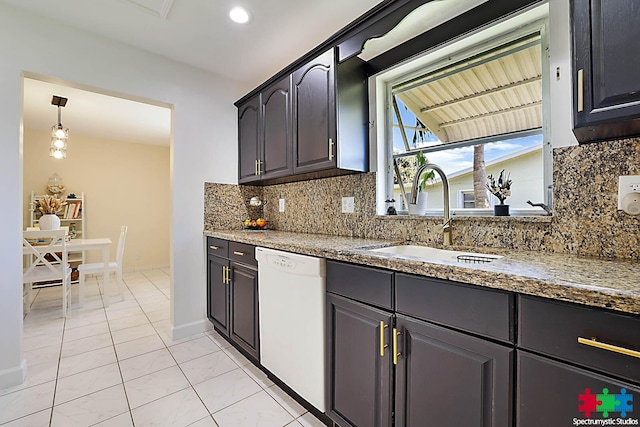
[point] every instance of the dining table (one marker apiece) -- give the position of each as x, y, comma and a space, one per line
101, 243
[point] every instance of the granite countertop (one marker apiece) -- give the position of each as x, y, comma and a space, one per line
600, 282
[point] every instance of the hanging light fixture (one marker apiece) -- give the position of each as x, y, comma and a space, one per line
59, 134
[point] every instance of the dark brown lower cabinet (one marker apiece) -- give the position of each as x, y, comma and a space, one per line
391, 369
552, 393
446, 378
218, 293
232, 293
360, 382
244, 308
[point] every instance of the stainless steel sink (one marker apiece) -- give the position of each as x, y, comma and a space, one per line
427, 253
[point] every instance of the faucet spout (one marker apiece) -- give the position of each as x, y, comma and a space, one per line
446, 226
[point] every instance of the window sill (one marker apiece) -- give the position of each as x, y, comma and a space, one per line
458, 216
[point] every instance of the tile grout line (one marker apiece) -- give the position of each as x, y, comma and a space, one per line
157, 294
55, 386
117, 360
45, 320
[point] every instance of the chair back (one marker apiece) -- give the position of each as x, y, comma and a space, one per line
120, 248
42, 248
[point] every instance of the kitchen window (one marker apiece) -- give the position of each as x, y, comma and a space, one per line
474, 111
466, 199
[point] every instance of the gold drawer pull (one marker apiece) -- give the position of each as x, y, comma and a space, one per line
593, 342
382, 344
238, 253
395, 346
215, 248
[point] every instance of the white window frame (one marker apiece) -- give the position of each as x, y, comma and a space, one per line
461, 194
510, 28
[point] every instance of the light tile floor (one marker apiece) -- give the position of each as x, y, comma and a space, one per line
117, 367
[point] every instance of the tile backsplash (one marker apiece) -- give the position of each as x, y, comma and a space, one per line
585, 218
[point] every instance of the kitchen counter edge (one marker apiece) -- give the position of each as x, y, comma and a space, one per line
612, 284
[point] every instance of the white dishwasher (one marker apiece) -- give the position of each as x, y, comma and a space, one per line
291, 290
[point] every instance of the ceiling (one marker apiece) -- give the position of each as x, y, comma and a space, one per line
95, 115
195, 32
200, 33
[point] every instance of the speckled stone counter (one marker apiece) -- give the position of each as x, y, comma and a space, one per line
598, 282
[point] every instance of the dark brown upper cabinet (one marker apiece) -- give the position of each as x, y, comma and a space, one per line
312, 123
606, 94
264, 134
248, 139
330, 115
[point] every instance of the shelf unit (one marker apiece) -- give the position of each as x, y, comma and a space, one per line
72, 214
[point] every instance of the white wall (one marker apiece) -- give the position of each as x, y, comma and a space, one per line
123, 183
203, 131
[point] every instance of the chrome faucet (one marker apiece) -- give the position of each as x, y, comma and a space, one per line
446, 227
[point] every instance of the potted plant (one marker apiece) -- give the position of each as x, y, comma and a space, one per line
50, 206
420, 208
501, 189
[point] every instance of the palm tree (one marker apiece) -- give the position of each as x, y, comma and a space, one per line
479, 178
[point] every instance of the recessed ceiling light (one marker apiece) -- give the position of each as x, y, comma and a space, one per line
239, 15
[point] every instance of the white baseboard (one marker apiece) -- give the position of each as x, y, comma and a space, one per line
13, 376
193, 328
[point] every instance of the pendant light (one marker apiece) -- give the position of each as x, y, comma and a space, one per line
59, 134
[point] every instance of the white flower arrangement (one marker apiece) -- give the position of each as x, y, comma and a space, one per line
502, 188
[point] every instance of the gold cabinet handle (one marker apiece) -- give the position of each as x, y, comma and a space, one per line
215, 248
330, 148
396, 353
580, 90
238, 253
382, 344
226, 275
259, 167
593, 342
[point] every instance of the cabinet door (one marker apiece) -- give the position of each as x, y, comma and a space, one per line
446, 378
359, 377
314, 115
552, 393
248, 140
244, 309
218, 293
277, 148
607, 88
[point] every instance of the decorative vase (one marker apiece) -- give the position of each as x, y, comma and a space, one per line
501, 210
420, 208
49, 222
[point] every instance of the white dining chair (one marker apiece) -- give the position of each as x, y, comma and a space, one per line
98, 268
46, 260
